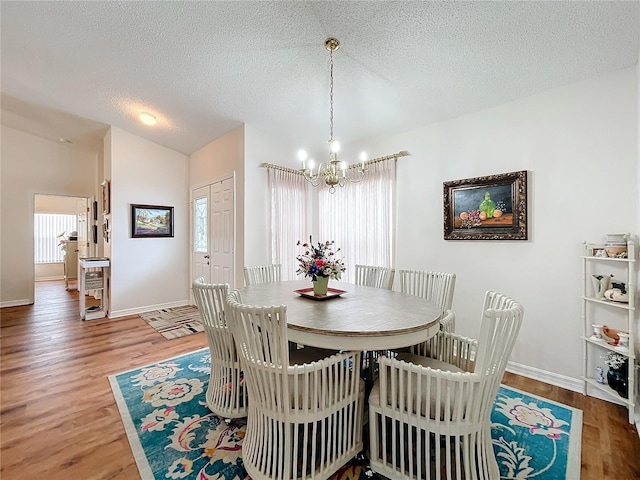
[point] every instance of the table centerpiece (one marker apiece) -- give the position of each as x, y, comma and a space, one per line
321, 263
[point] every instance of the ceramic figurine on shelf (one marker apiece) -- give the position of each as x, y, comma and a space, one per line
623, 342
599, 375
597, 333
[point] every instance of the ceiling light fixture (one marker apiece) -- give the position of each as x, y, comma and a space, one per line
333, 172
148, 118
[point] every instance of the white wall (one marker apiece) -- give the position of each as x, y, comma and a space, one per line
32, 165
580, 145
147, 273
220, 159
637, 324
260, 148
55, 204
104, 244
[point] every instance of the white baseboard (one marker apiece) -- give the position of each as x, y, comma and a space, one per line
570, 383
147, 308
55, 277
16, 303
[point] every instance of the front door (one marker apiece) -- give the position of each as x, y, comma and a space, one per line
223, 232
213, 223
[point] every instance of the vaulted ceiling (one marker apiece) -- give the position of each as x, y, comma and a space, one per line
70, 69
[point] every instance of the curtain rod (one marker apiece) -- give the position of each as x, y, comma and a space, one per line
401, 153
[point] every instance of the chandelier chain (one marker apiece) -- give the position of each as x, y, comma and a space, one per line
333, 172
331, 96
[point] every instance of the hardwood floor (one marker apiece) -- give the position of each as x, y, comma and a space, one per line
59, 420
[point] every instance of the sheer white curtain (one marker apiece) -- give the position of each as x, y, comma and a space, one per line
289, 197
361, 218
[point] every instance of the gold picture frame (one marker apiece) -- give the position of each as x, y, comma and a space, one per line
106, 197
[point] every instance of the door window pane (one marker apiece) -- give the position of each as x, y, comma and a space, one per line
200, 225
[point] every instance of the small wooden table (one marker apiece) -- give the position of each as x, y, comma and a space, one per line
362, 318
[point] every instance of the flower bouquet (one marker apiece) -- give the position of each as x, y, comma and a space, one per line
618, 373
615, 360
320, 263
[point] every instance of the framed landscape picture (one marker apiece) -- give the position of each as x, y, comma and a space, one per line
486, 208
151, 221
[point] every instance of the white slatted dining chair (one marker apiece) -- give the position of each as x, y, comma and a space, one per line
305, 419
436, 287
378, 277
262, 274
226, 394
429, 417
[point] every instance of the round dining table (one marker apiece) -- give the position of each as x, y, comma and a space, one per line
350, 317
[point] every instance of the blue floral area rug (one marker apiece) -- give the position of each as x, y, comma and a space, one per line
173, 434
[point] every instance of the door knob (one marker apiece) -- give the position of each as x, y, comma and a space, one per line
206, 256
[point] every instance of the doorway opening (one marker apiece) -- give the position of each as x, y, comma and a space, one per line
62, 234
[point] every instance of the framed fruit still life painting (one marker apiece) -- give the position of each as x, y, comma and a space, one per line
486, 208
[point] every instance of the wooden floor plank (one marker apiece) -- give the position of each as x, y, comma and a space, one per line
59, 420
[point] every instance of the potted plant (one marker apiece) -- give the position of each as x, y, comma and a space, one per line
618, 373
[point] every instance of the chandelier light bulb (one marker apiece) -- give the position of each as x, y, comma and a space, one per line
302, 156
363, 157
311, 164
335, 146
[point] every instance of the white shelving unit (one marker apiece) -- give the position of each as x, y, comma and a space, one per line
615, 315
70, 262
94, 275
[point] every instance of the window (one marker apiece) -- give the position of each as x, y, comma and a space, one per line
360, 217
47, 228
288, 192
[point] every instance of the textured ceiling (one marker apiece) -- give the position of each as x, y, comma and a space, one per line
69, 69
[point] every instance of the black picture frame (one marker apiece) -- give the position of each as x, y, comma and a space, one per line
486, 208
151, 221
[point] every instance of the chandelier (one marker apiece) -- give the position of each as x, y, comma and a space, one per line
334, 172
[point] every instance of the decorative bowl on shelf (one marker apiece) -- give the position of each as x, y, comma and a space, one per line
615, 251
616, 295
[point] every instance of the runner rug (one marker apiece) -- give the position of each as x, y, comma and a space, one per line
174, 435
175, 322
